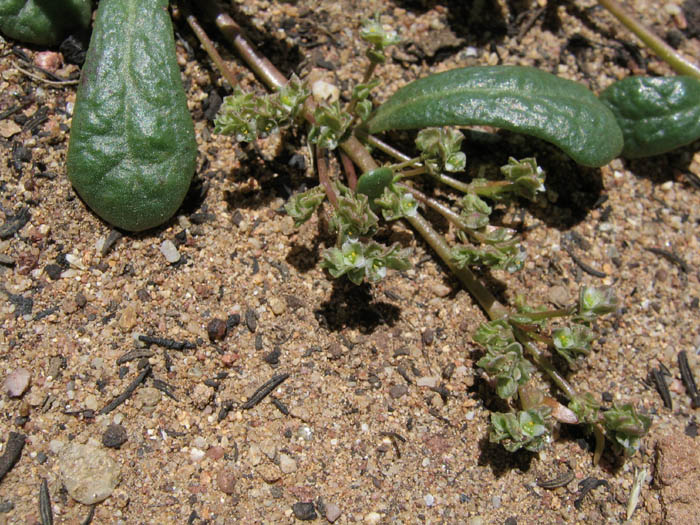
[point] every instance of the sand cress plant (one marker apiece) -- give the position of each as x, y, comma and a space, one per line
635, 117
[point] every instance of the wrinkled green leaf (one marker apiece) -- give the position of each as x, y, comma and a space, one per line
520, 99
43, 22
656, 114
132, 148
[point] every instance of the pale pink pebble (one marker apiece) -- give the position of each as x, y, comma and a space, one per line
48, 60
333, 512
17, 382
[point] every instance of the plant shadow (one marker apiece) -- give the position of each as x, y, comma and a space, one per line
351, 306
500, 461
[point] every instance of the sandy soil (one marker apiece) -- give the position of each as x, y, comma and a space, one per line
356, 427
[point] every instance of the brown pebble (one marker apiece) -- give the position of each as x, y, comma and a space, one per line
661, 275
215, 452
228, 359
226, 480
216, 329
398, 391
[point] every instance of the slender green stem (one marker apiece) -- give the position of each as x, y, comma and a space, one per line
599, 443
545, 365
381, 145
436, 205
405, 164
678, 63
452, 183
493, 308
414, 172
232, 32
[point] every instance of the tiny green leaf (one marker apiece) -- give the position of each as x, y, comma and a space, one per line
520, 99
656, 114
303, 205
526, 429
571, 341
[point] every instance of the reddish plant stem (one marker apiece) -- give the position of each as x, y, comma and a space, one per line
349, 168
208, 45
323, 175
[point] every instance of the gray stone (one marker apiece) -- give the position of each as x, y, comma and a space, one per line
169, 251
88, 473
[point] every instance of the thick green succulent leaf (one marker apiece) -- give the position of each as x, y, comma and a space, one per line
372, 184
656, 114
132, 149
43, 22
521, 99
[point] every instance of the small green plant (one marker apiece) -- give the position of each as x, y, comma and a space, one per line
135, 173
519, 343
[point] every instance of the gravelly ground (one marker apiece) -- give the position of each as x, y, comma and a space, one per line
356, 425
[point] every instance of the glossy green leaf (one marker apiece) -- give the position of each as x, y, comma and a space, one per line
372, 184
132, 149
656, 114
520, 99
43, 22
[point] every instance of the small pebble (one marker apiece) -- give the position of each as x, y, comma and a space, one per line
216, 329
496, 502
287, 464
169, 251
196, 454
114, 436
53, 271
398, 391
88, 473
333, 512
273, 357
304, 511
251, 319
441, 290
128, 319
17, 382
372, 518
278, 307
226, 480
429, 381
429, 500
215, 452
48, 60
